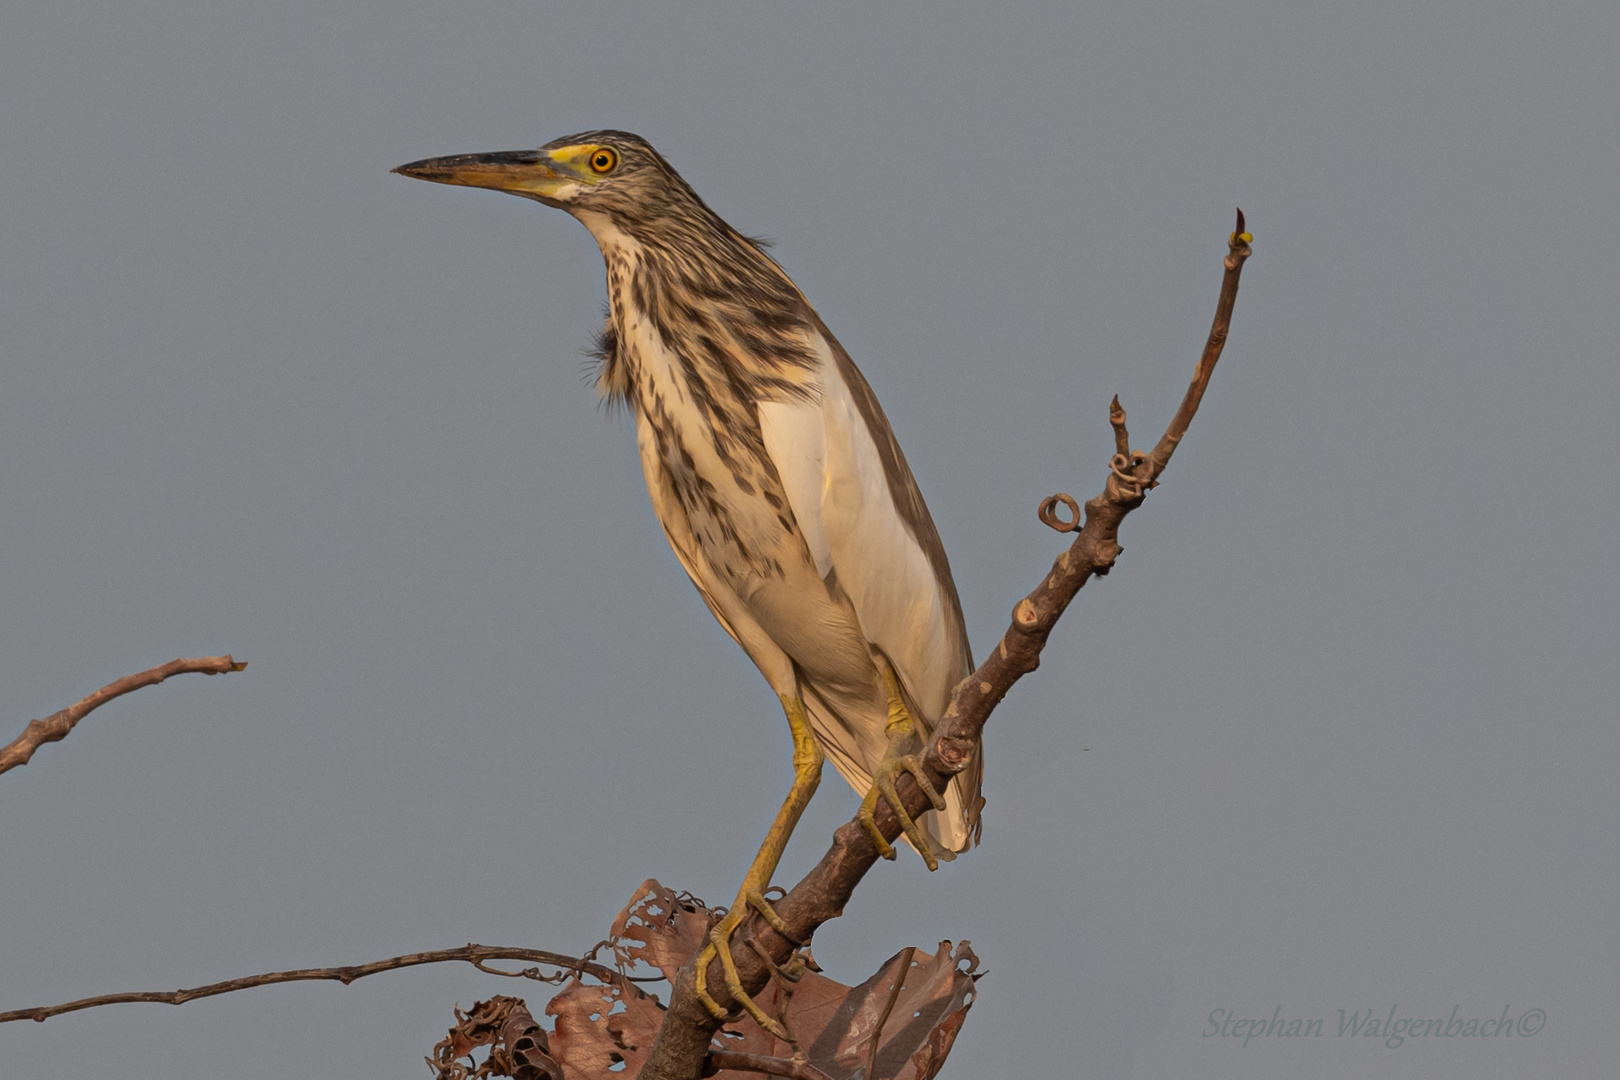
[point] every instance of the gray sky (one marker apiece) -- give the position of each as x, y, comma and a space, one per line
1338, 733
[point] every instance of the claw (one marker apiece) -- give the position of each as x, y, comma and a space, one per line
883, 788
719, 948
756, 900
900, 730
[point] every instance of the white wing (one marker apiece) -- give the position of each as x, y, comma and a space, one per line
846, 503
836, 484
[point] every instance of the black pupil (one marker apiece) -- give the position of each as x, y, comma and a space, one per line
603, 161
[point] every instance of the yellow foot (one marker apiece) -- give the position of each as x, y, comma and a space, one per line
900, 731
883, 788
719, 947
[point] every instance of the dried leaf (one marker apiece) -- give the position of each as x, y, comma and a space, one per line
836, 1024
660, 928
526, 1045
603, 1031
517, 1044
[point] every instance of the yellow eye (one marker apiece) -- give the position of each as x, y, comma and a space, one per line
605, 160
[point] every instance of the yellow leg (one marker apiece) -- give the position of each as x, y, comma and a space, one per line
900, 730
807, 760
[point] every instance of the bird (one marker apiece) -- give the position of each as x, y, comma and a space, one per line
779, 484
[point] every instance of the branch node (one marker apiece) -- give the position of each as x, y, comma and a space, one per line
1130, 478
954, 755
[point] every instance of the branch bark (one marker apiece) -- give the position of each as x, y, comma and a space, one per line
683, 1042
797, 1070
55, 727
475, 955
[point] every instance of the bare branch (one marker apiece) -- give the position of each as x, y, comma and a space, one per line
56, 726
1239, 245
683, 1041
472, 954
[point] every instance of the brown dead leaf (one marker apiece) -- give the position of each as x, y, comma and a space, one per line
602, 1032
517, 1044
526, 1045
836, 1024
660, 929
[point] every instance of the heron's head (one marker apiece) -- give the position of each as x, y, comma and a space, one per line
612, 173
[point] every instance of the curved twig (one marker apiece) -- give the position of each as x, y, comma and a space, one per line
472, 954
683, 1041
55, 727
1052, 520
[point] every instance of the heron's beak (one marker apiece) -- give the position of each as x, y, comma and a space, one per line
521, 172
